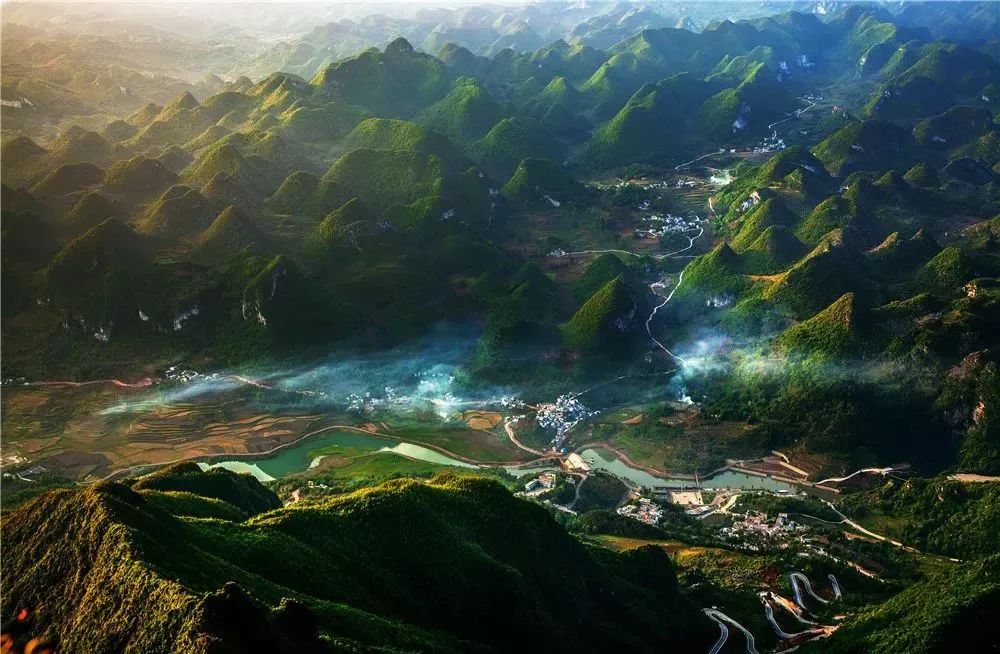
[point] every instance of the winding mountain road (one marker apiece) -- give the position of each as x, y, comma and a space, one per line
837, 480
720, 619
837, 592
868, 532
666, 298
798, 112
769, 613
513, 439
723, 637
798, 580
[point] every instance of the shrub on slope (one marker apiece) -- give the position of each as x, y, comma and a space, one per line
144, 574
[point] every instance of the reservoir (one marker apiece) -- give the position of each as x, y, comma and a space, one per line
301, 456
606, 460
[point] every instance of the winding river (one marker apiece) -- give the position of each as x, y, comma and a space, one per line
309, 453
304, 455
603, 459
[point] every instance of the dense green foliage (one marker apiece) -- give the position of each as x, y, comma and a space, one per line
342, 558
933, 615
842, 304
937, 514
240, 491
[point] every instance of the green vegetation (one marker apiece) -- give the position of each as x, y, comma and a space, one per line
937, 515
834, 331
600, 491
535, 179
512, 140
467, 113
604, 321
930, 616
240, 491
333, 556
597, 274
841, 306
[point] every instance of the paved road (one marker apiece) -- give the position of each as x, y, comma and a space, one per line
723, 637
652, 315
720, 619
513, 439
798, 112
837, 592
576, 496
769, 612
799, 580
868, 532
837, 480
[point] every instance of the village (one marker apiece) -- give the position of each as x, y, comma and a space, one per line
718, 508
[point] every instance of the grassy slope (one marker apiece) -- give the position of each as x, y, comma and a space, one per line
376, 551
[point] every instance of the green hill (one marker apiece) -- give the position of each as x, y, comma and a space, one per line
612, 84
224, 190
936, 514
772, 251
922, 175
249, 169
330, 121
145, 115
138, 177
511, 141
788, 161
152, 581
835, 212
946, 272
241, 491
118, 130
180, 211
66, 179
92, 210
956, 68
77, 145
467, 113
870, 145
294, 192
954, 128
536, 178
597, 274
717, 272
744, 109
405, 136
901, 102
396, 82
22, 158
335, 230
183, 102
769, 213
559, 91
646, 127
97, 275
525, 313
231, 231
379, 178
607, 321
794, 173
896, 257
834, 331
282, 306
930, 616
175, 158
832, 269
